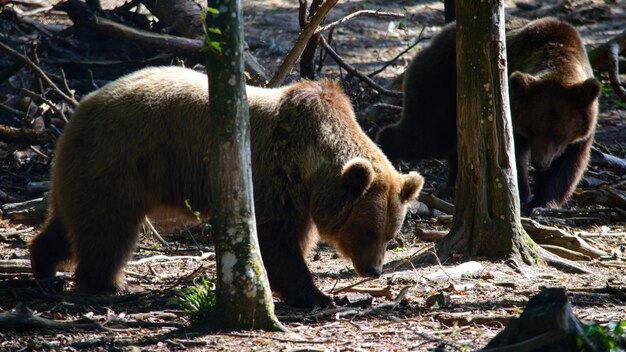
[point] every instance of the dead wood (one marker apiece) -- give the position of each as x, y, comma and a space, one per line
169, 259
23, 136
599, 56
546, 324
547, 235
354, 72
21, 318
374, 309
30, 212
375, 13
177, 45
372, 291
39, 72
178, 17
15, 266
182, 18
304, 37
467, 269
468, 318
608, 160
606, 195
430, 235
394, 84
434, 202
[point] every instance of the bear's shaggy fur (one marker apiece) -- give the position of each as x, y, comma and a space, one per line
140, 143
553, 98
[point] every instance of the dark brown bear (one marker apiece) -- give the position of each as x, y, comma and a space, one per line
553, 99
139, 144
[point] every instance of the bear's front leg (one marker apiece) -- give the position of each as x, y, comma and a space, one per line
554, 185
522, 156
286, 269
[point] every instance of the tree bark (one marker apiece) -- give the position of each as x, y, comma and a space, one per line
307, 59
486, 207
243, 296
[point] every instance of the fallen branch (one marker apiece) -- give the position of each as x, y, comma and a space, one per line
605, 195
178, 45
354, 72
21, 318
25, 136
39, 72
376, 13
430, 235
29, 212
374, 309
434, 202
420, 38
165, 258
547, 235
608, 160
45, 101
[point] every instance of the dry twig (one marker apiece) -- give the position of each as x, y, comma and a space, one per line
353, 71
39, 72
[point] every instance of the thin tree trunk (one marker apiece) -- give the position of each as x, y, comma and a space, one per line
486, 211
243, 296
307, 59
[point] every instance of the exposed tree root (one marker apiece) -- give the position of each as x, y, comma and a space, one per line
527, 252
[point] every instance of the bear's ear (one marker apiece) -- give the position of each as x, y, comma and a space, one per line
586, 91
411, 186
520, 84
357, 175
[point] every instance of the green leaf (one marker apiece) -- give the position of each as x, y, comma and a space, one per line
214, 30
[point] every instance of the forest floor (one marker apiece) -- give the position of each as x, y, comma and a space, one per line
475, 307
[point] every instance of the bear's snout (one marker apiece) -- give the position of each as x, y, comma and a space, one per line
372, 272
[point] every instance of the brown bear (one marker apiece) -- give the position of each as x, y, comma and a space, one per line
140, 144
553, 98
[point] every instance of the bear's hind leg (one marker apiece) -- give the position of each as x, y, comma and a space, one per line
49, 248
102, 250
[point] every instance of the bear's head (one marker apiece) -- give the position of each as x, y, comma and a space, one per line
552, 115
367, 213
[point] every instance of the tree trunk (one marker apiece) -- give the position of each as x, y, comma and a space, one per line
243, 296
307, 59
486, 208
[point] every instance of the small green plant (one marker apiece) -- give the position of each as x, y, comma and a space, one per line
210, 44
610, 338
198, 301
194, 212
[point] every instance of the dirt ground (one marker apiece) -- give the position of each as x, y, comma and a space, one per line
476, 307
